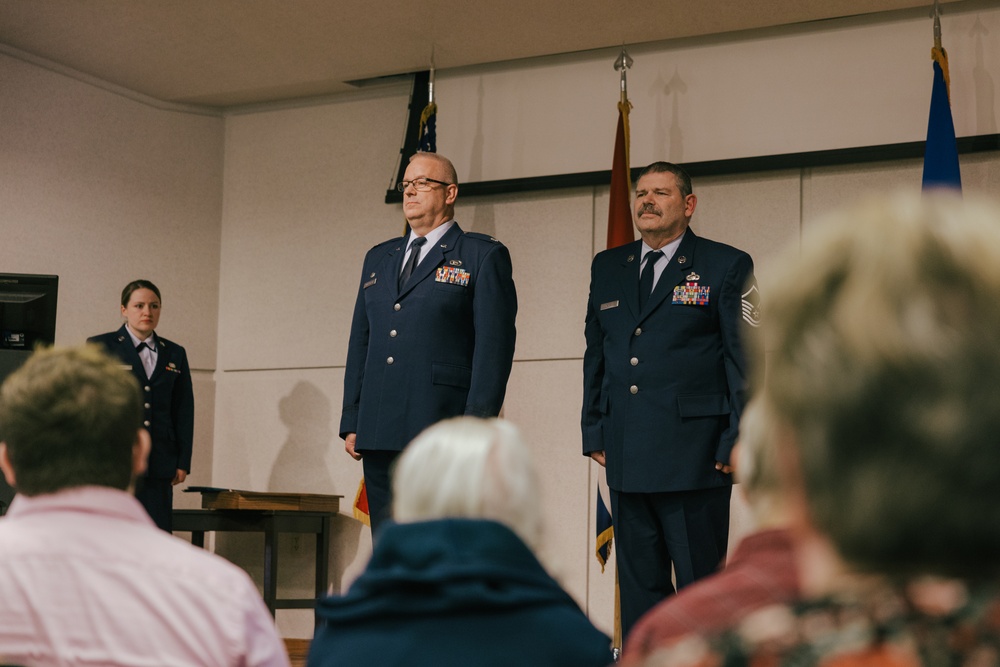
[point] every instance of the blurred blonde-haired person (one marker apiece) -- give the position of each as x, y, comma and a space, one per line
884, 381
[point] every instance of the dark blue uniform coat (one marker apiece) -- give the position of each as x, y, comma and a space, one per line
168, 399
438, 349
664, 387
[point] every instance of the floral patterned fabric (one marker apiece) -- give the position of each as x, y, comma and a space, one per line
934, 623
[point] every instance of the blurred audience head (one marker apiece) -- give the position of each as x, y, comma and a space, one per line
468, 467
885, 378
68, 418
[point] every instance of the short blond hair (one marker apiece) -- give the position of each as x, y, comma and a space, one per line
886, 368
468, 467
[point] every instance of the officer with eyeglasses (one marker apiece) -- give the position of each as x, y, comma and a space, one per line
433, 329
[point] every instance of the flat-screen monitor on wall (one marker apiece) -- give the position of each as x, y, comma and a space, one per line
27, 319
27, 310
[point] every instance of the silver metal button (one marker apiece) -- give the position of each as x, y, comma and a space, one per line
638, 331
392, 334
390, 361
634, 361
396, 307
633, 389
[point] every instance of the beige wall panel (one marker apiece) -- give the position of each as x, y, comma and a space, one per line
981, 174
543, 400
825, 190
855, 81
100, 190
276, 431
304, 201
548, 236
758, 213
828, 189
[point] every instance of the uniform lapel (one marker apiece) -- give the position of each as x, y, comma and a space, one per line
162, 357
433, 258
129, 354
673, 274
629, 276
390, 266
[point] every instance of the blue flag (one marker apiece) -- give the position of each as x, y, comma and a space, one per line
428, 129
941, 153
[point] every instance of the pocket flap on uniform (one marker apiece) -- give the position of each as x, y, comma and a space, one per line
703, 405
453, 376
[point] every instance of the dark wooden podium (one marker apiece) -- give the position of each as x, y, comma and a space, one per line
230, 510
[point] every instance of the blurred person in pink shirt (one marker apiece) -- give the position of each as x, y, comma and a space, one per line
86, 576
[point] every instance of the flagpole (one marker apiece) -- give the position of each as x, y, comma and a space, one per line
936, 14
619, 233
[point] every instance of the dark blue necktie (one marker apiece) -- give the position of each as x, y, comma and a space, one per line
646, 278
411, 262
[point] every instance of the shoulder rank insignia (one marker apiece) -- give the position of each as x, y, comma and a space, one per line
751, 306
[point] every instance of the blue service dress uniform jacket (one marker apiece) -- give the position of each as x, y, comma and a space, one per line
664, 386
441, 347
168, 398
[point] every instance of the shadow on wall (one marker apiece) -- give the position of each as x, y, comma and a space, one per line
668, 141
301, 464
300, 467
982, 82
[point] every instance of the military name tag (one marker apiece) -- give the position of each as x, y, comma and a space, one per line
609, 305
452, 275
370, 283
691, 294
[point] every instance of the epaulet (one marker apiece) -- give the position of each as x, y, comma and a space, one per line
481, 237
398, 239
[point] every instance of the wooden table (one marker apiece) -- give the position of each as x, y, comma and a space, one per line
229, 510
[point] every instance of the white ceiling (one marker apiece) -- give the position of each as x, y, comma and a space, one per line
222, 53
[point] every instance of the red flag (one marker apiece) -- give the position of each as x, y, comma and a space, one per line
361, 504
620, 229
